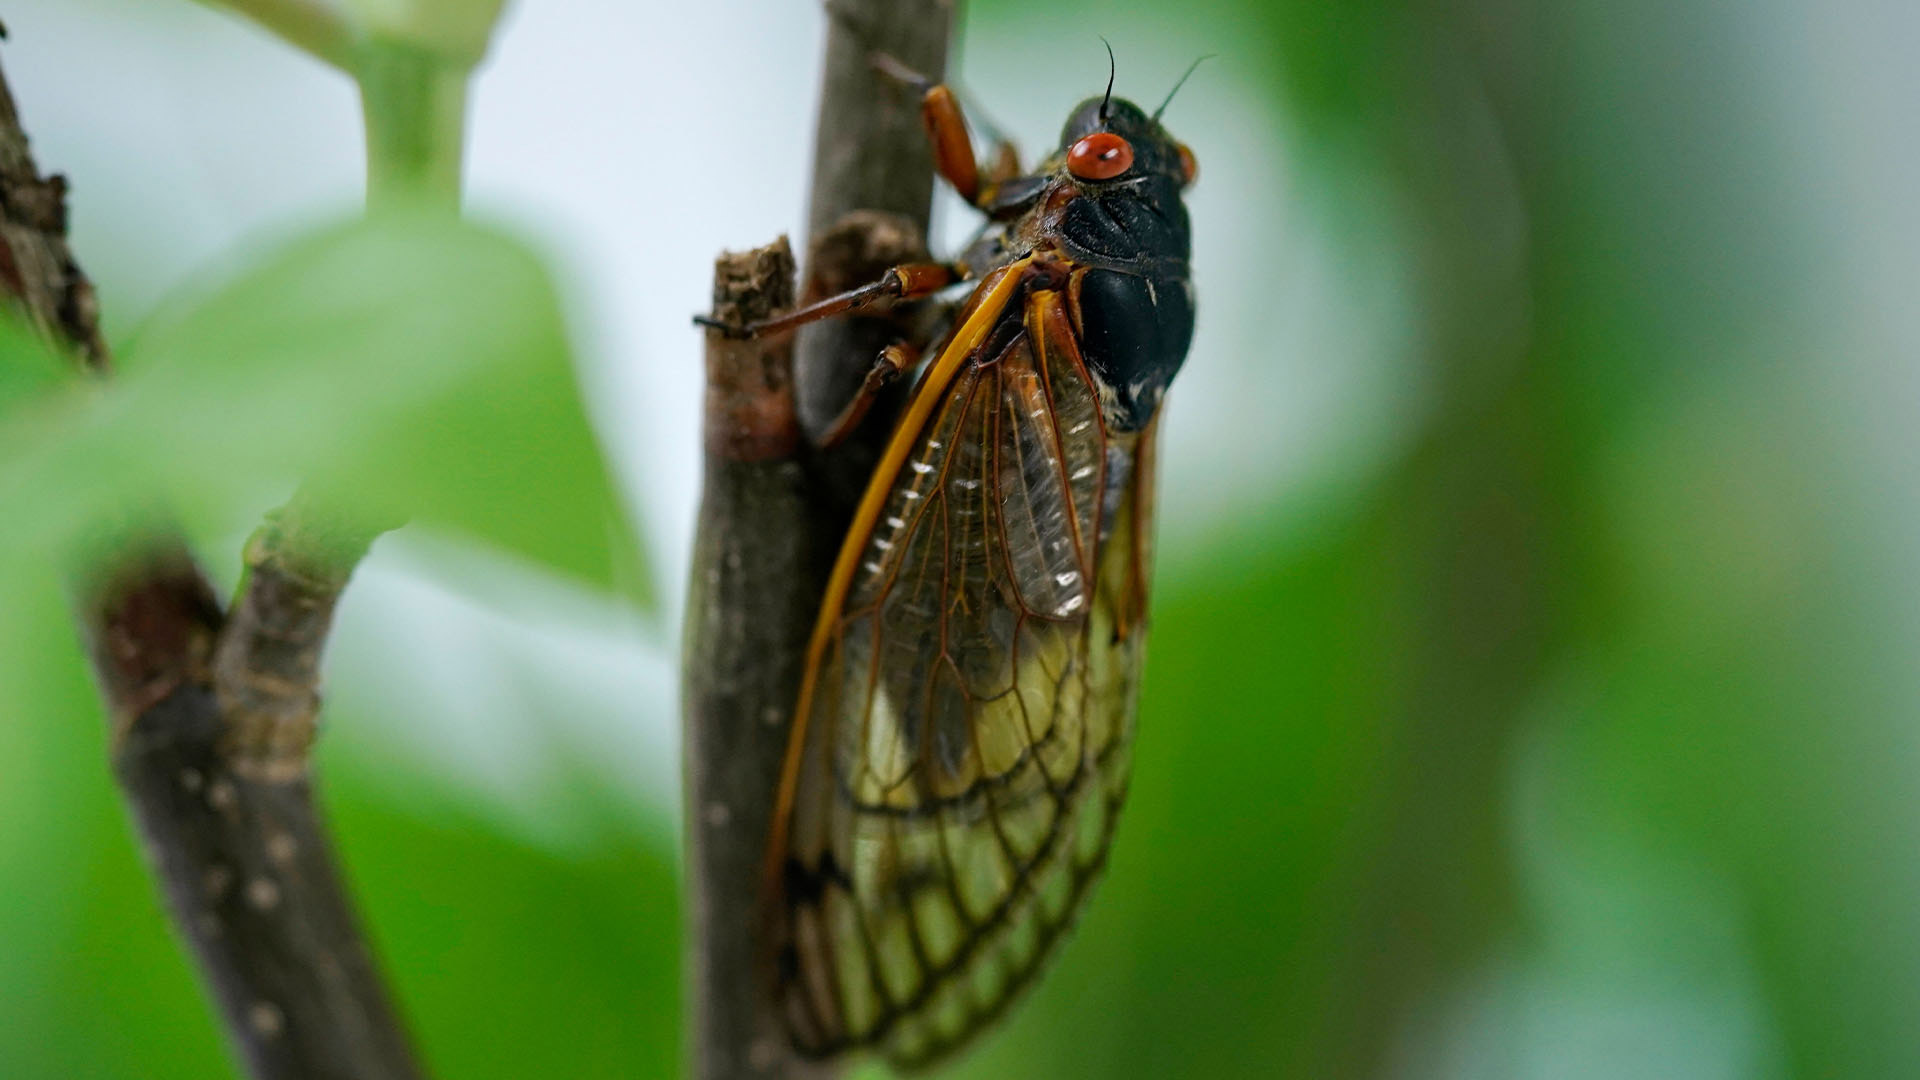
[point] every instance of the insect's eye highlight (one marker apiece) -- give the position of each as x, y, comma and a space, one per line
1189, 165
1100, 156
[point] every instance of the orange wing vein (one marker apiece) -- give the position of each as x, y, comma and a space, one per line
960, 751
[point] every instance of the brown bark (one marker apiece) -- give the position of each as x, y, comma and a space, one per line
868, 209
774, 510
755, 582
211, 717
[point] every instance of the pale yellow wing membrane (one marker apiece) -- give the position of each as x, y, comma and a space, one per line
970, 709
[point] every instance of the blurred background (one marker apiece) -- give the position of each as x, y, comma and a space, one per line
1533, 690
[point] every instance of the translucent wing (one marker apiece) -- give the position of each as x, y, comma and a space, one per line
965, 730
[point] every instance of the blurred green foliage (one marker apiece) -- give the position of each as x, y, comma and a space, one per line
1572, 740
514, 959
412, 368
409, 366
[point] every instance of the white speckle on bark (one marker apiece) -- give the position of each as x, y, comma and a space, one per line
221, 795
718, 814
266, 1019
216, 881
192, 780
263, 894
281, 847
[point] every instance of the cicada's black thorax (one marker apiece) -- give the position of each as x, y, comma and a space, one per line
1133, 297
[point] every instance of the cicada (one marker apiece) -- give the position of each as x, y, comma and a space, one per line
959, 752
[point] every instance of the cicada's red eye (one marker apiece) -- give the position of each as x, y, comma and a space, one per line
1100, 156
1189, 165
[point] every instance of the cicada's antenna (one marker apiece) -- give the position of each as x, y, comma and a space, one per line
1112, 68
1191, 68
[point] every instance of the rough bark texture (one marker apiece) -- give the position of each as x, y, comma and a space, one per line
755, 583
871, 197
774, 509
266, 669
249, 875
211, 718
35, 266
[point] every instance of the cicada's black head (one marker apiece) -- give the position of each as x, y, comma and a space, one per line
1155, 153
1127, 225
1134, 172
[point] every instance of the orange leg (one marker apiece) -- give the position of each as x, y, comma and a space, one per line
908, 281
952, 143
895, 360
946, 125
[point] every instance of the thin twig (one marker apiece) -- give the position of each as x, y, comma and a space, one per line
414, 104
774, 511
222, 787
266, 670
233, 833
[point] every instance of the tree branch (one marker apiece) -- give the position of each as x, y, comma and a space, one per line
36, 268
868, 209
774, 511
232, 831
755, 583
267, 670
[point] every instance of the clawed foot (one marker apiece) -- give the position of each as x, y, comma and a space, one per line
727, 329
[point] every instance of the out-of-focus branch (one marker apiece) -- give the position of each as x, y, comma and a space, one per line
414, 103
36, 268
774, 511
216, 785
214, 756
266, 670
249, 873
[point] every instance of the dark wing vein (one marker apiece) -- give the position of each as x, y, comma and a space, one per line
966, 746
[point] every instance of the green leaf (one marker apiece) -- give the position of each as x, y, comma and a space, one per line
406, 368
28, 369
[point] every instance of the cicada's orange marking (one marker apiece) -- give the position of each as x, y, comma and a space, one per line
960, 748
994, 294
